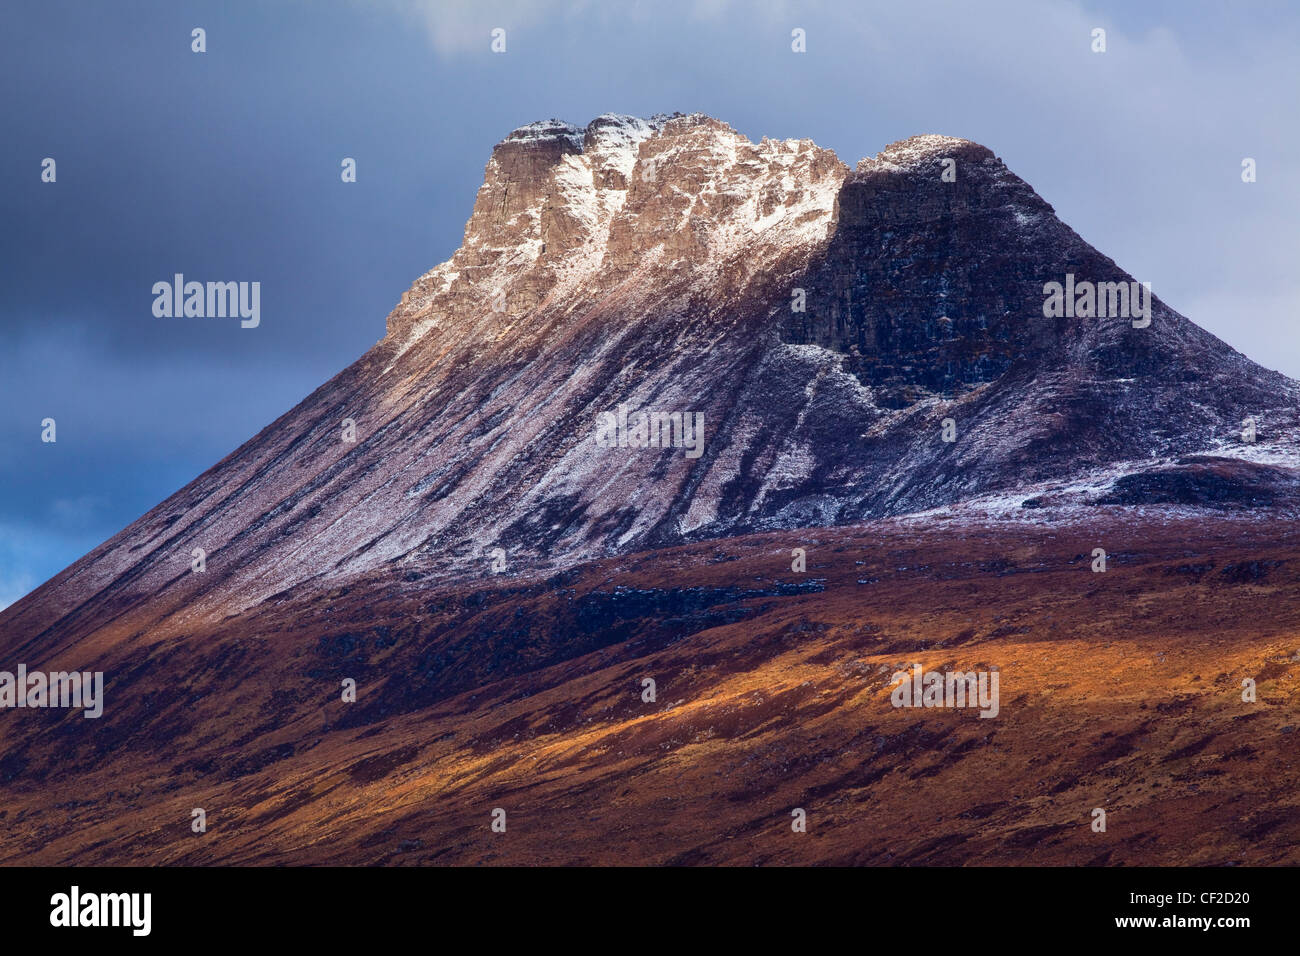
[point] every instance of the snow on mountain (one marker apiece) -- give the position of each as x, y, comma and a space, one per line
832, 326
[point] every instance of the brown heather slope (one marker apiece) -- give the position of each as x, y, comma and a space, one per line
1118, 690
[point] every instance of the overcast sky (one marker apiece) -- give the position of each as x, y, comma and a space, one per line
225, 166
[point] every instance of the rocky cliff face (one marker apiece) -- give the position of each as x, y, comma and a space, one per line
823, 322
567, 215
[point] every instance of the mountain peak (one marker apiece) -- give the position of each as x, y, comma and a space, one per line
564, 208
923, 149
822, 330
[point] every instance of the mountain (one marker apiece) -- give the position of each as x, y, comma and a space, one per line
826, 329
653, 264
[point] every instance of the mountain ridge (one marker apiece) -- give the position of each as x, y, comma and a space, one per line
653, 265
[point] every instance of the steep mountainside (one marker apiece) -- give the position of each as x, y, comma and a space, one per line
823, 322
